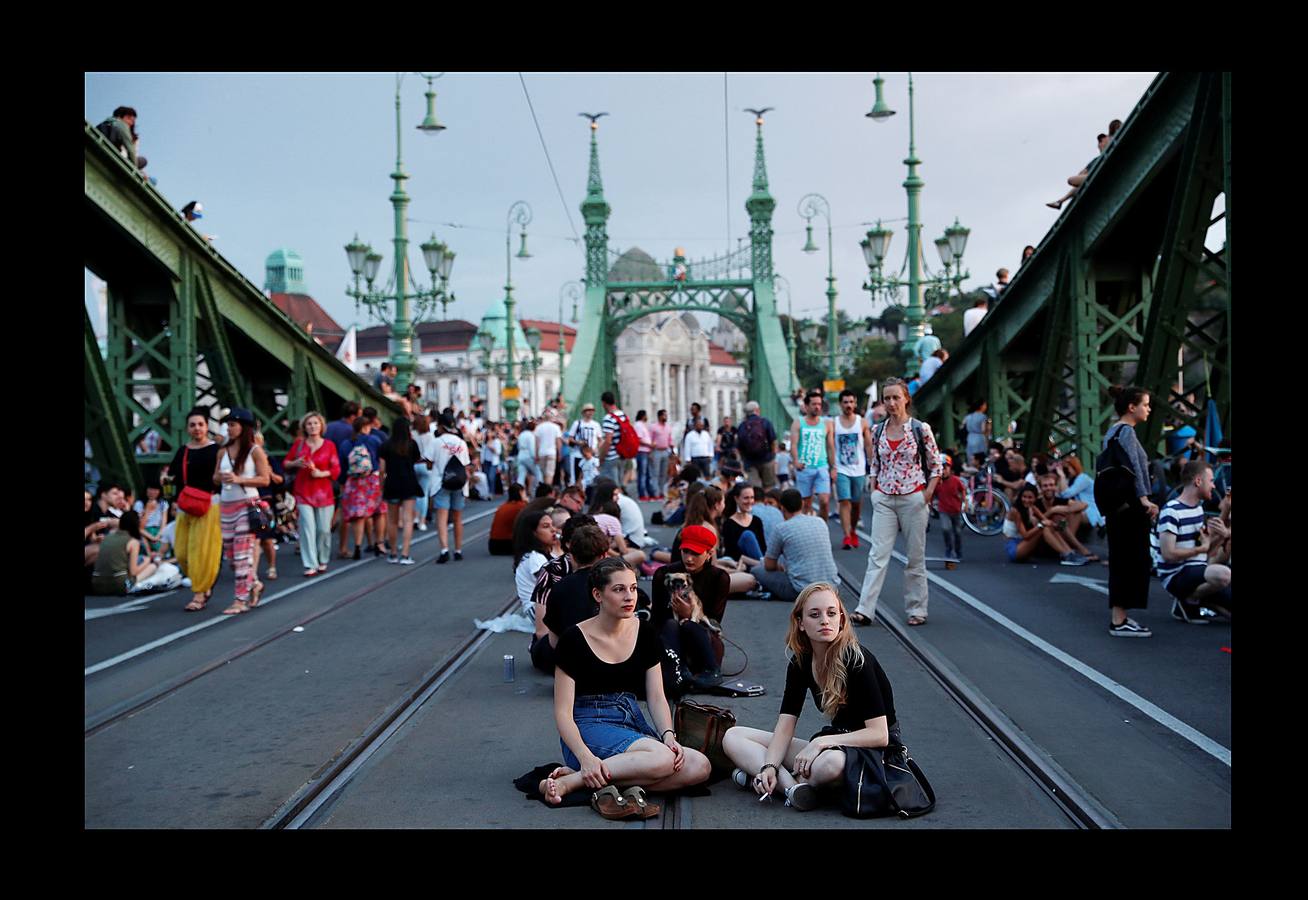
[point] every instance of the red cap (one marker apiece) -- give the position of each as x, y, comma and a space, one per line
698, 539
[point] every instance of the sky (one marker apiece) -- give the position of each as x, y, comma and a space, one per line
304, 160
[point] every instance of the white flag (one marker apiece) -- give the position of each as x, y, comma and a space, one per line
348, 350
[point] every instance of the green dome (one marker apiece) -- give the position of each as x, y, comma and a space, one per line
284, 272
493, 321
636, 265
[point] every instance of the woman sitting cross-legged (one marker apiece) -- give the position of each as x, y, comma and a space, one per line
849, 687
601, 665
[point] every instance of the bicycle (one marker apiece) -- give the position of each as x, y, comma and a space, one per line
984, 506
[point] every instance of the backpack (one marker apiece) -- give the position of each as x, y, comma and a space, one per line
628, 440
359, 462
455, 475
917, 436
1114, 477
752, 437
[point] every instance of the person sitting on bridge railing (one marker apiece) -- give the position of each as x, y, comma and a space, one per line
602, 664
849, 687
1079, 178
384, 380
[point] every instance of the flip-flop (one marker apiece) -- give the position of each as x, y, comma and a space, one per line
191, 607
859, 619
612, 805
636, 799
916, 620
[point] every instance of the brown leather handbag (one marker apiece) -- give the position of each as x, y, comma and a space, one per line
702, 726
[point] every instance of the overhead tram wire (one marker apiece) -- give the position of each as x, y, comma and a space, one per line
576, 238
726, 144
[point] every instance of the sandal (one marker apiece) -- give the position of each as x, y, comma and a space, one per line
237, 607
612, 805
255, 593
636, 800
309, 573
196, 604
916, 620
271, 575
859, 619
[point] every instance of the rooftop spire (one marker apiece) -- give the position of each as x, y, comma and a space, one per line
760, 164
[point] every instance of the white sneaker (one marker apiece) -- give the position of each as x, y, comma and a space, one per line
422, 526
741, 778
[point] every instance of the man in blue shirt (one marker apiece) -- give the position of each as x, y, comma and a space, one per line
341, 434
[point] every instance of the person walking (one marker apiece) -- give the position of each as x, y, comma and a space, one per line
242, 470
853, 445
341, 434
905, 467
660, 435
756, 438
644, 483
611, 464
814, 440
198, 537
1129, 559
400, 489
316, 465
450, 501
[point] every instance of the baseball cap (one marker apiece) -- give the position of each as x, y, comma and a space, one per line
698, 539
195, 208
237, 414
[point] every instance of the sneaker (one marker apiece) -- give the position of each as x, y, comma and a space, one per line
802, 797
392, 558
845, 544
422, 526
357, 553
406, 560
741, 778
458, 555
1129, 628
1183, 612
1072, 559
853, 540
443, 558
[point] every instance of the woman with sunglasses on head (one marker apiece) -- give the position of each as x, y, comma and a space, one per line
198, 539
601, 665
849, 687
242, 470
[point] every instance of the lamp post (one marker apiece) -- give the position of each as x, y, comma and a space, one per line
780, 283
809, 206
439, 259
519, 213
572, 290
878, 240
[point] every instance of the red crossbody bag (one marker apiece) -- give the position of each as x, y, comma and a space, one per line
192, 501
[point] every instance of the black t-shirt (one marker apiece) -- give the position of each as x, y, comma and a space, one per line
867, 693
712, 585
732, 530
199, 467
728, 435
594, 676
401, 480
569, 602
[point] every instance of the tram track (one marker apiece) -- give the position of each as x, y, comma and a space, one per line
1079, 807
116, 713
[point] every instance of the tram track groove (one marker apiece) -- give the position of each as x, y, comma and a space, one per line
116, 713
1083, 810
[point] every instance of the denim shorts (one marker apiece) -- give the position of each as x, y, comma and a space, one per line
1010, 548
850, 487
609, 724
449, 499
812, 480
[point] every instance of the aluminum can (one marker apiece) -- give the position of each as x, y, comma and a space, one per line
508, 667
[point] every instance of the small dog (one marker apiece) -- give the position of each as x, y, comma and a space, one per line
681, 588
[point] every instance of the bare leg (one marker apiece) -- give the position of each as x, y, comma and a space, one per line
358, 526
1217, 578
442, 520
747, 748
407, 509
1027, 547
741, 582
392, 526
1054, 541
846, 516
646, 762
634, 557
458, 530
824, 500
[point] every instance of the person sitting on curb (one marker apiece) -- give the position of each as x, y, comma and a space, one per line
1026, 530
849, 687
806, 545
1188, 549
602, 663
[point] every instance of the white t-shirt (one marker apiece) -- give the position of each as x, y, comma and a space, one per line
448, 445
546, 432
699, 443
426, 446
972, 318
633, 520
851, 455
490, 451
524, 577
586, 432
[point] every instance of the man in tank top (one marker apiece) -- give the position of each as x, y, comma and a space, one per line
853, 444
813, 438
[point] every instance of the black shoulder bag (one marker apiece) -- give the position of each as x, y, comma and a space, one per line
1114, 477
884, 782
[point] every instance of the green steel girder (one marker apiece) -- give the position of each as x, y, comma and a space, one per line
629, 302
1149, 140
110, 446
1052, 370
1184, 318
179, 308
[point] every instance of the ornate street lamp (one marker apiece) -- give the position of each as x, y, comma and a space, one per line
570, 289
366, 262
520, 214
809, 206
877, 242
779, 285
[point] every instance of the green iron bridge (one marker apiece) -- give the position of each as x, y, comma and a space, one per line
1121, 290
184, 324
747, 300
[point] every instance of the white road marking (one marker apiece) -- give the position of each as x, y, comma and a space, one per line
217, 620
1159, 715
1094, 584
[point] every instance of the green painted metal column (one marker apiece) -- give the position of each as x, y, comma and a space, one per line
590, 369
102, 422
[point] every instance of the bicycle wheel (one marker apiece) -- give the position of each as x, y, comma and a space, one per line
985, 511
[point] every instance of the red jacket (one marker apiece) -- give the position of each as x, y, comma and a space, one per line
316, 491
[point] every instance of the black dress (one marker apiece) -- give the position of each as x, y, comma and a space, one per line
401, 481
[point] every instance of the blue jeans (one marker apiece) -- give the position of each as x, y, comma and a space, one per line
644, 483
609, 724
748, 544
492, 476
424, 491
659, 475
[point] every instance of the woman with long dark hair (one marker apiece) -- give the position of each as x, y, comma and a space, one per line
198, 538
242, 470
1129, 560
850, 689
118, 567
400, 489
535, 542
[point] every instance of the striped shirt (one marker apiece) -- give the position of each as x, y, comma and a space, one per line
1185, 522
612, 431
805, 542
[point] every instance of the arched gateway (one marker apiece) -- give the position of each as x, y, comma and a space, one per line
737, 287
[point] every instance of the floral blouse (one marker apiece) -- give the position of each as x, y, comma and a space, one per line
898, 470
